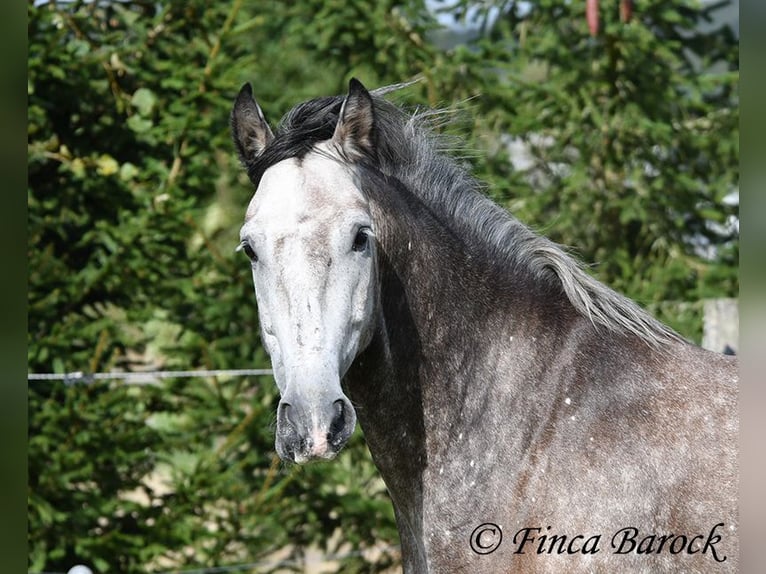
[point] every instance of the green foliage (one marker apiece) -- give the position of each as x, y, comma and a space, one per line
136, 479
135, 199
632, 135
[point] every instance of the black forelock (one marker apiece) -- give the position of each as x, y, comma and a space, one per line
298, 132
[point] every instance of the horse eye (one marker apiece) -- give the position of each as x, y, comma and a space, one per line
361, 240
249, 251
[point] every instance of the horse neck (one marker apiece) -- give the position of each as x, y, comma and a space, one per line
448, 296
443, 316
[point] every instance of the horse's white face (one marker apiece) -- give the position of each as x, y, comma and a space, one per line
308, 233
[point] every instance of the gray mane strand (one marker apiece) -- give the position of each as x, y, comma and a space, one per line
412, 152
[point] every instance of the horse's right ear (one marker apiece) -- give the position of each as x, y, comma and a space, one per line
249, 128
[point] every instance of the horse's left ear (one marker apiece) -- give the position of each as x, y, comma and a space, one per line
355, 132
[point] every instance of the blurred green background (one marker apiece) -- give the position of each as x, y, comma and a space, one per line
622, 143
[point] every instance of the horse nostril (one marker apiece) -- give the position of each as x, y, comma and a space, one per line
339, 420
284, 413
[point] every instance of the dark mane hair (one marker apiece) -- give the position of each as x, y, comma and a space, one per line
409, 150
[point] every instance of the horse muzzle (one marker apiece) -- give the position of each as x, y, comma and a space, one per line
313, 430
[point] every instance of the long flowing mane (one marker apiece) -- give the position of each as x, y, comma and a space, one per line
410, 150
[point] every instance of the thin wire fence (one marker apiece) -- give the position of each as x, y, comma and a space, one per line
144, 377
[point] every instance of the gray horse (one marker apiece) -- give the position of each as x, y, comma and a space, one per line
524, 417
